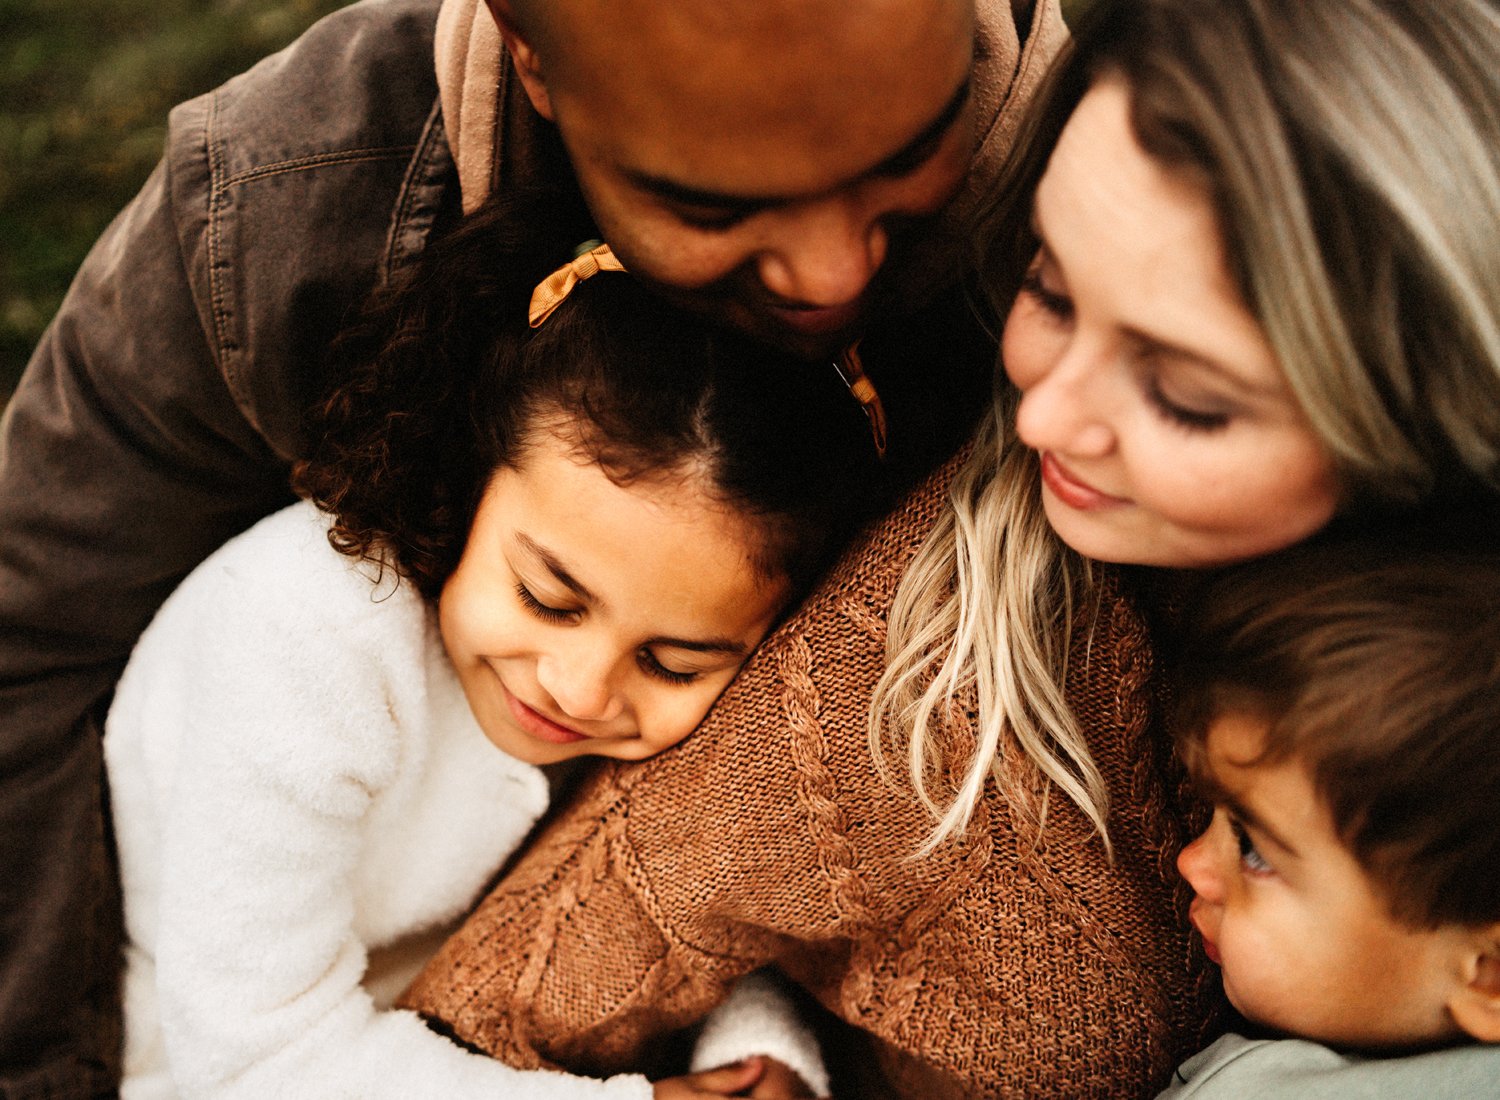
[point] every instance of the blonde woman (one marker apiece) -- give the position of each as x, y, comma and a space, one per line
1334, 171
1253, 262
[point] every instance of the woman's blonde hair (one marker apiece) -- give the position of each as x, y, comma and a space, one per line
1352, 151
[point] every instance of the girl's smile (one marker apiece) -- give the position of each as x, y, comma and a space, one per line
538, 724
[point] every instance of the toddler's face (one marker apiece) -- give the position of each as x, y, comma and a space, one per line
1306, 944
589, 618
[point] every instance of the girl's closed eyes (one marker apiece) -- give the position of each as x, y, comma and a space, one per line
545, 612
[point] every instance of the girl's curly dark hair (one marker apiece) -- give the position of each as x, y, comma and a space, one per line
440, 382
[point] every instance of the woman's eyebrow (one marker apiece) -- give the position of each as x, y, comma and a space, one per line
555, 567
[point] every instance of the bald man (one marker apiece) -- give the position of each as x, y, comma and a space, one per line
800, 169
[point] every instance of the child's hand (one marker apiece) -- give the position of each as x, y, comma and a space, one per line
779, 1082
759, 1077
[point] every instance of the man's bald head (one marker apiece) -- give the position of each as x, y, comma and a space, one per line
750, 153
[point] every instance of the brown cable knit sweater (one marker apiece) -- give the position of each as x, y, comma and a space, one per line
995, 967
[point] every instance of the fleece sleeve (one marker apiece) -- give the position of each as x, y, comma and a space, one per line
1296, 1069
759, 1018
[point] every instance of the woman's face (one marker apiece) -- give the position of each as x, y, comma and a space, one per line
1166, 431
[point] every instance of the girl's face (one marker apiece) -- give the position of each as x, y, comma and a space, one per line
589, 618
1166, 431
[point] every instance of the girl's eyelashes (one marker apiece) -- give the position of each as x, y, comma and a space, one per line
543, 611
1193, 420
652, 667
645, 659
1059, 305
1250, 857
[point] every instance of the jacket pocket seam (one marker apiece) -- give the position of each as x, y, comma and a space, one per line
317, 160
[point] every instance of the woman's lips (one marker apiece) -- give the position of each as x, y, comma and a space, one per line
1071, 491
539, 725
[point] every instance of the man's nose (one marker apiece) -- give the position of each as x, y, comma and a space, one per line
823, 254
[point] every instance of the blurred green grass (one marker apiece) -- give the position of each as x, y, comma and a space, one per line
84, 94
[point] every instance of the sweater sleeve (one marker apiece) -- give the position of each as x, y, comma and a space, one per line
289, 688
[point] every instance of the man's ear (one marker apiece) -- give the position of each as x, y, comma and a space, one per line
1475, 1003
528, 65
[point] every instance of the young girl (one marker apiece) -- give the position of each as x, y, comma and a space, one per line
555, 544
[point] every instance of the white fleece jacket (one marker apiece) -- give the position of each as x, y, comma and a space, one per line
296, 781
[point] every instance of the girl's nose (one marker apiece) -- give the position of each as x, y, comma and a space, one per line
581, 685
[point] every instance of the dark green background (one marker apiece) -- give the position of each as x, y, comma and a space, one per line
85, 87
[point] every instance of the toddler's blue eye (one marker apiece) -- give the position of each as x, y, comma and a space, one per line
1250, 856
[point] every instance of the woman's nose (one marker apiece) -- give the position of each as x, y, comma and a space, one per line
1066, 409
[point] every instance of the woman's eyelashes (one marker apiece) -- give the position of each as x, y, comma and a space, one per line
1250, 857
1059, 305
1182, 415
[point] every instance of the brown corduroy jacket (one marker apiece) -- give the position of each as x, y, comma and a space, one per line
994, 967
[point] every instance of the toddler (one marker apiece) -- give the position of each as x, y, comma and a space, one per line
555, 543
1341, 707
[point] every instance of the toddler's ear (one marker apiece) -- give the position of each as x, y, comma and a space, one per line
1475, 1005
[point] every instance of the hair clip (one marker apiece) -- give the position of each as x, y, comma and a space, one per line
852, 371
589, 258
